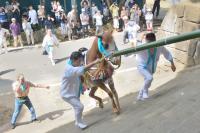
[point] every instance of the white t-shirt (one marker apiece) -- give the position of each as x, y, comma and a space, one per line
84, 19
2, 33
49, 41
99, 20
33, 16
71, 81
27, 27
132, 30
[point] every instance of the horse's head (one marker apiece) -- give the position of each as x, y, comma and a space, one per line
107, 39
110, 45
83, 51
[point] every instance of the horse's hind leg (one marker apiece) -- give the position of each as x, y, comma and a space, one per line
112, 87
92, 92
103, 86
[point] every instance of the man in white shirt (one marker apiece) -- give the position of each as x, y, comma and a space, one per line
3, 41
32, 14
147, 62
48, 44
71, 83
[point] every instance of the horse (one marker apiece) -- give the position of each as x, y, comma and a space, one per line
102, 73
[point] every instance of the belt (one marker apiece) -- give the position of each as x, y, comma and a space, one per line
23, 97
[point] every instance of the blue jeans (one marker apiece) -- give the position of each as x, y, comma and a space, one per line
18, 107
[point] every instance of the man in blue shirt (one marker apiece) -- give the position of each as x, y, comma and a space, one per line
70, 87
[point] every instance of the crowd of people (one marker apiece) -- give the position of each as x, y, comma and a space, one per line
130, 19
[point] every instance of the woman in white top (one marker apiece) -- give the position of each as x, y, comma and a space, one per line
3, 41
48, 43
28, 31
99, 22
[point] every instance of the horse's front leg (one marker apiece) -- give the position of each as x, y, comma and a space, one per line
112, 87
92, 94
103, 86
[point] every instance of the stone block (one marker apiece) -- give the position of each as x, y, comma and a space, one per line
179, 56
180, 10
169, 21
182, 46
197, 54
178, 25
192, 13
192, 47
189, 26
190, 61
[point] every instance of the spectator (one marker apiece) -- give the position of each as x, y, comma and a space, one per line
124, 15
57, 8
41, 15
16, 13
149, 20
105, 12
8, 9
3, 42
72, 20
99, 22
48, 24
94, 10
63, 24
115, 15
48, 44
28, 31
15, 4
32, 15
16, 32
135, 14
156, 6
130, 4
3, 18
132, 29
85, 3
84, 21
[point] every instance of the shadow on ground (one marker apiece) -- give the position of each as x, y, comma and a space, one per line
173, 107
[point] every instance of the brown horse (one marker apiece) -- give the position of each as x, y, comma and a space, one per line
97, 76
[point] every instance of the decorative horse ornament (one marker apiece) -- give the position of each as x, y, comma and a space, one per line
96, 77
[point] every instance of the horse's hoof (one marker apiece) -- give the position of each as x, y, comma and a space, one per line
101, 105
116, 111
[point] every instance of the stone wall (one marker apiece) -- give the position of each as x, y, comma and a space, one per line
182, 18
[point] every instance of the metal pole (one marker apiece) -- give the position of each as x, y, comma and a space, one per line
162, 42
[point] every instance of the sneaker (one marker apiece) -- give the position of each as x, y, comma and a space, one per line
13, 126
35, 120
140, 98
53, 63
81, 125
145, 95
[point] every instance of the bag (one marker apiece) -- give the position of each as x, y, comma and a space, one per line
44, 52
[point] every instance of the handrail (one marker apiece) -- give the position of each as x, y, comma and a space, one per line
158, 43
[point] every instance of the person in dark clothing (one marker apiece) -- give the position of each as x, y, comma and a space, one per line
156, 6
